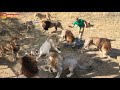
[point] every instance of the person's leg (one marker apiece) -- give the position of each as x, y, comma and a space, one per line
81, 30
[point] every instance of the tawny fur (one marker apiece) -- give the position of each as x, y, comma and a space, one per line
43, 16
68, 36
103, 44
58, 64
46, 24
12, 46
52, 42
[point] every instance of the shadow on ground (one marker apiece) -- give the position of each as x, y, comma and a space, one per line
98, 67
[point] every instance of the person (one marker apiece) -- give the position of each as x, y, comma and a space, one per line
81, 24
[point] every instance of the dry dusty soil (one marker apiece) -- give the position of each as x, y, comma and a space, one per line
107, 25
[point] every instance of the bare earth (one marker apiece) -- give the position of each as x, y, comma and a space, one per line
107, 25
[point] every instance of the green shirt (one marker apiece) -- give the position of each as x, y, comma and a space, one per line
80, 23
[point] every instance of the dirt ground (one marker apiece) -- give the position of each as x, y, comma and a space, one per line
107, 25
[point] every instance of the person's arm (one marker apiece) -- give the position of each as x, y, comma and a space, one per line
72, 25
85, 23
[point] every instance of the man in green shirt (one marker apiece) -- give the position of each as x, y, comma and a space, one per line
81, 24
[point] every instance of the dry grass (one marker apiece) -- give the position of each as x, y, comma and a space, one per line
106, 25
